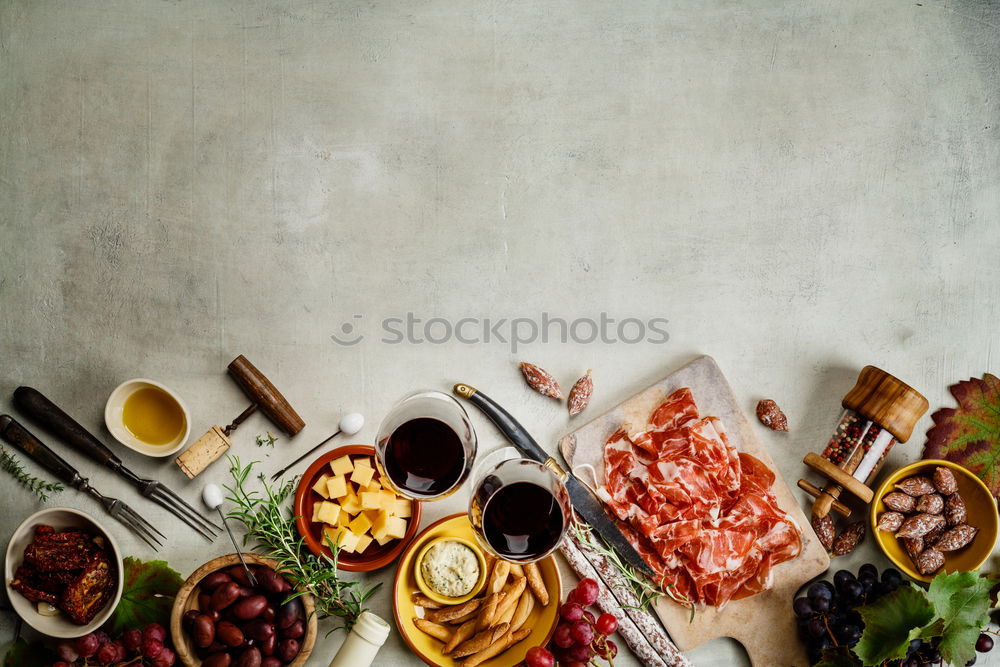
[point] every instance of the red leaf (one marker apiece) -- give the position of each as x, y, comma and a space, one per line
970, 434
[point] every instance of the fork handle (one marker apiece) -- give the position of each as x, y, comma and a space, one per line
51, 418
12, 432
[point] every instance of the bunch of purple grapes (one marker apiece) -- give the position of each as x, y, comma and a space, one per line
148, 647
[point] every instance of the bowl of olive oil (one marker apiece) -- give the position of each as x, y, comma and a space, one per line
146, 416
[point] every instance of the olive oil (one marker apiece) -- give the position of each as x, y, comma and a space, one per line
153, 416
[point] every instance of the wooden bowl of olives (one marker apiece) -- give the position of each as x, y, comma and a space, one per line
220, 620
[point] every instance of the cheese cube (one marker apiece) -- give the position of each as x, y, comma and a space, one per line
396, 527
373, 485
361, 475
371, 514
341, 466
360, 525
363, 542
342, 537
320, 485
344, 519
351, 504
381, 537
388, 499
328, 512
316, 506
371, 500
363, 462
402, 507
336, 487
381, 524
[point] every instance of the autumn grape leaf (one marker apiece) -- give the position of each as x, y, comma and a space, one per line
970, 434
961, 602
147, 595
891, 622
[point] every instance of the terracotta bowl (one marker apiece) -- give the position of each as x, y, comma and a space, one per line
982, 514
187, 598
375, 556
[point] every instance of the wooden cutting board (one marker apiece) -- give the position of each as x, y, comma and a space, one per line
764, 623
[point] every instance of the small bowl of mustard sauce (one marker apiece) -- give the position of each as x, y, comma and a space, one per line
450, 570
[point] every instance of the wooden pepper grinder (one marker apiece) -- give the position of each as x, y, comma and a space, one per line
878, 411
263, 395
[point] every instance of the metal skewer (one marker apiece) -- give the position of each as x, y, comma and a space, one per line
23, 439
60, 424
350, 424
212, 495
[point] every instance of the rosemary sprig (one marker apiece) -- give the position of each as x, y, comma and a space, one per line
12, 465
272, 528
266, 441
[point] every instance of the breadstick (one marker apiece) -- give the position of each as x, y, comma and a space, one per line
488, 610
521, 612
497, 648
499, 576
421, 600
463, 632
512, 591
535, 582
506, 615
455, 611
433, 629
481, 641
465, 617
516, 570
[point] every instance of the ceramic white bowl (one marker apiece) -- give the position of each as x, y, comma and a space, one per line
60, 518
113, 419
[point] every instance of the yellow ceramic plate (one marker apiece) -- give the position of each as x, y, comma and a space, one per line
982, 514
542, 620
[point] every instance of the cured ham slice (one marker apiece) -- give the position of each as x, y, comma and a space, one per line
699, 512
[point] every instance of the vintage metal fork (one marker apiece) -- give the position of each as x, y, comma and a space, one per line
23, 439
60, 424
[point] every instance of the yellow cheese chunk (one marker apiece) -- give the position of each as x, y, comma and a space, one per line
320, 485
396, 527
363, 462
316, 506
402, 507
388, 500
371, 500
381, 524
371, 514
373, 485
344, 519
361, 475
342, 537
342, 466
328, 512
360, 525
382, 538
351, 505
336, 487
363, 542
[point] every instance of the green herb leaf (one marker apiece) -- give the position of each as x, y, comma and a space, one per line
147, 596
961, 601
25, 654
890, 624
838, 656
970, 434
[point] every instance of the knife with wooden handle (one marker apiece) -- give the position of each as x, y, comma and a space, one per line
584, 502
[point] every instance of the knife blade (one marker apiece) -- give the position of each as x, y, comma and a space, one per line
583, 501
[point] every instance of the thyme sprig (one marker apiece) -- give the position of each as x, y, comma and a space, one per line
12, 465
271, 527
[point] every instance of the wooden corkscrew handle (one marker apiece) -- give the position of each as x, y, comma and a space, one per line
265, 397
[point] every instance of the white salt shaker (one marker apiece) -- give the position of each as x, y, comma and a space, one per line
361, 646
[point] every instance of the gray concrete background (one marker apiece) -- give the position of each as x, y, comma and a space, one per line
800, 188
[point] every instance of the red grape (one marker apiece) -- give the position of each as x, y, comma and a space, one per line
67, 651
561, 636
571, 611
151, 648
154, 631
589, 617
606, 624
586, 591
539, 657
165, 659
571, 596
612, 651
107, 654
132, 639
87, 645
102, 637
582, 632
581, 652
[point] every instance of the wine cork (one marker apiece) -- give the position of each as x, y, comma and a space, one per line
205, 451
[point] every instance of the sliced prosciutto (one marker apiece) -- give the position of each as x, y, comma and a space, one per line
699, 512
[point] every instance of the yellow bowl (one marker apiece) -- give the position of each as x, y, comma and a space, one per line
982, 514
430, 592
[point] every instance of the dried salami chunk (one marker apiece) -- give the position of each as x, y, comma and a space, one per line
955, 512
890, 521
944, 481
930, 561
956, 538
825, 529
899, 502
931, 538
848, 540
579, 395
932, 503
919, 525
540, 380
916, 486
771, 416
914, 546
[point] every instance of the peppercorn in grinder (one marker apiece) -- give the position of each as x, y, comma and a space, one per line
879, 411
263, 396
